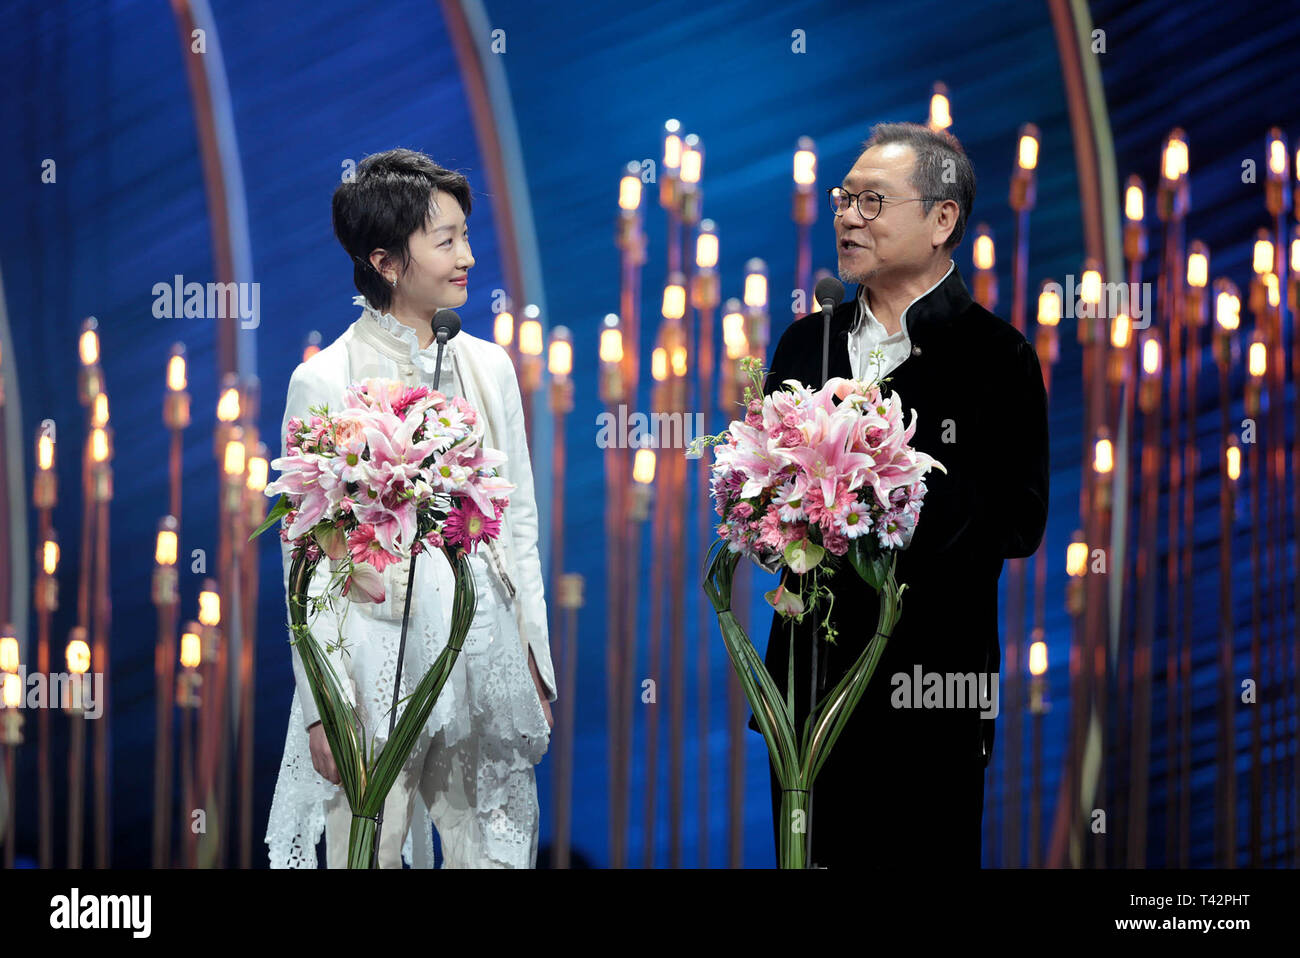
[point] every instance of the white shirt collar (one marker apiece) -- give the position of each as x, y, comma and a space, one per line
864, 310
402, 338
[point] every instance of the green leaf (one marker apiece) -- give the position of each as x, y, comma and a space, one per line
869, 563
278, 512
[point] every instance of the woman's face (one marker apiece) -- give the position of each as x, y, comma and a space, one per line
440, 259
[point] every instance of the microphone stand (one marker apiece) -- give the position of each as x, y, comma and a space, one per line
817, 676
442, 335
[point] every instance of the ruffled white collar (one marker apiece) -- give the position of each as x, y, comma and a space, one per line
405, 337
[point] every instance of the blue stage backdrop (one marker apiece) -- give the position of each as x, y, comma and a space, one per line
100, 91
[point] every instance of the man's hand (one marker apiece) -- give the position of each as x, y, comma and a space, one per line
541, 690
321, 756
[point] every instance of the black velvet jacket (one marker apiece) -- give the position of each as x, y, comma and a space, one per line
975, 380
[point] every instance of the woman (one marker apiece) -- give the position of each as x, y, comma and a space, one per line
403, 223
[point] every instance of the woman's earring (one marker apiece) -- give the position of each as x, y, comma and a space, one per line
394, 284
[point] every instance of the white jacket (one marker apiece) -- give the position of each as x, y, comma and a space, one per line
376, 345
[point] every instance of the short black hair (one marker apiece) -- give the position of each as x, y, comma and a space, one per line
390, 198
936, 151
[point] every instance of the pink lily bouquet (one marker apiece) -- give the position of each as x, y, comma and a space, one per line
810, 479
397, 470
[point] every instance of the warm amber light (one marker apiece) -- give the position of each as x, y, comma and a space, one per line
503, 329
1295, 257
611, 341
1263, 259
672, 145
44, 452
1175, 161
234, 458
210, 607
1276, 157
530, 337
1027, 155
733, 328
1271, 288
1090, 286
13, 691
1151, 357
756, 290
805, 167
674, 301
99, 415
176, 373
706, 250
1049, 308
1227, 310
559, 361
1133, 203
659, 364
50, 556
164, 552
191, 649
228, 405
643, 466
940, 109
1120, 328
1198, 269
1233, 461
88, 347
679, 361
257, 470
98, 445
1103, 456
1257, 362
629, 192
1038, 658
692, 160
8, 654
1076, 558
983, 251
78, 656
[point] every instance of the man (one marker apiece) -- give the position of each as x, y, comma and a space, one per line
905, 786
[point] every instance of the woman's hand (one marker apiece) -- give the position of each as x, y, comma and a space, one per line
541, 690
322, 759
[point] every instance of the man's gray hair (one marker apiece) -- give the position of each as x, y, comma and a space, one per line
942, 168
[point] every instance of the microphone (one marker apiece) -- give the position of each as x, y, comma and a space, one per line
446, 324
828, 294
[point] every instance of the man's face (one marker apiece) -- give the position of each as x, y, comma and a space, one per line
439, 255
898, 241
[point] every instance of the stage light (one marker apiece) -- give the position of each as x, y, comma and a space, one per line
210, 604
530, 337
176, 369
611, 341
1133, 203
643, 466
1049, 306
228, 404
1151, 357
706, 246
674, 303
659, 364
191, 646
503, 328
559, 360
